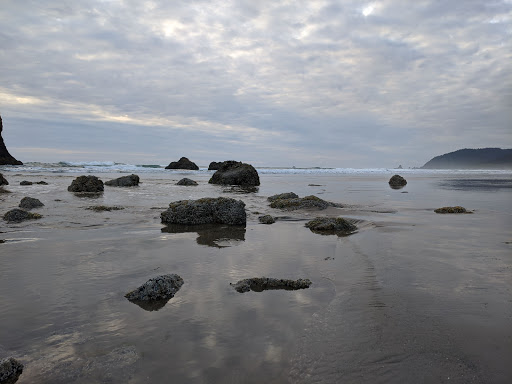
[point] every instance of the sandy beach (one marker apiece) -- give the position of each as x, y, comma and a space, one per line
412, 296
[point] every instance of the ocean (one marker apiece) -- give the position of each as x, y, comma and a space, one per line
412, 296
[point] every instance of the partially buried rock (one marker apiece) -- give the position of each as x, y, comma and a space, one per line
156, 292
183, 163
301, 203
42, 182
397, 181
10, 370
331, 225
286, 195
124, 181
235, 173
104, 208
266, 219
30, 202
25, 182
221, 210
456, 209
259, 284
214, 165
186, 181
17, 215
3, 180
86, 184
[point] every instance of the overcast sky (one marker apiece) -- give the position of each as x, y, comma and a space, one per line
273, 83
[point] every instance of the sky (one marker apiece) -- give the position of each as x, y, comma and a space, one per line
324, 83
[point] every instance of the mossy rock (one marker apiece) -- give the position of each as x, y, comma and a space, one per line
18, 215
331, 225
456, 209
104, 208
302, 203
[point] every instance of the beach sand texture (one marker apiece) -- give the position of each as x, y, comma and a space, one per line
411, 297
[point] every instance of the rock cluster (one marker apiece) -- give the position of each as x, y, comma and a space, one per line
186, 181
331, 225
183, 163
86, 184
221, 210
124, 181
259, 284
266, 219
5, 156
18, 215
30, 202
235, 173
156, 291
456, 209
397, 181
292, 203
10, 370
3, 180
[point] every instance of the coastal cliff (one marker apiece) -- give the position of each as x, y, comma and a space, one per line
481, 158
5, 156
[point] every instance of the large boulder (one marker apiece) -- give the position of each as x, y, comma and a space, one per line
186, 181
5, 156
397, 181
3, 180
30, 202
10, 370
183, 163
124, 181
214, 165
156, 292
220, 210
259, 284
86, 184
17, 215
235, 173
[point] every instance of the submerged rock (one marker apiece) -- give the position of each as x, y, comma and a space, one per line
104, 208
301, 203
259, 284
30, 202
3, 180
18, 215
235, 173
221, 210
397, 181
3, 190
156, 292
281, 196
456, 209
86, 184
124, 181
186, 181
214, 165
25, 182
331, 225
183, 163
266, 219
10, 370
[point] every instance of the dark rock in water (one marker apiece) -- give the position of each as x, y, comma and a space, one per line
259, 284
17, 215
456, 209
25, 182
104, 208
207, 210
5, 156
331, 225
286, 195
211, 235
214, 165
397, 181
10, 370
30, 202
302, 203
183, 163
3, 190
235, 173
266, 219
42, 182
156, 292
125, 181
186, 181
3, 180
86, 184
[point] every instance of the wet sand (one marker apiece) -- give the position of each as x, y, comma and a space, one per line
413, 296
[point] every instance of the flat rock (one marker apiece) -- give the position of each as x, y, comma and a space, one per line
154, 293
266, 219
301, 203
183, 163
86, 184
124, 181
30, 202
3, 180
10, 370
281, 196
235, 173
331, 225
17, 215
25, 182
456, 209
221, 210
186, 181
259, 284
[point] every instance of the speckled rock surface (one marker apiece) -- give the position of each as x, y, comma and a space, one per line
235, 173
259, 284
124, 181
266, 219
25, 182
220, 210
30, 202
10, 370
301, 203
331, 225
17, 215
156, 291
456, 209
86, 184
186, 181
397, 181
281, 196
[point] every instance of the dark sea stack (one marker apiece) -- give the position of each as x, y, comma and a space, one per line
456, 209
10, 370
220, 210
30, 203
86, 184
183, 163
17, 215
187, 182
397, 181
156, 292
124, 181
214, 165
236, 173
3, 180
259, 284
331, 225
5, 156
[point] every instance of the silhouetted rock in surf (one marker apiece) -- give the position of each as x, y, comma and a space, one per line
5, 156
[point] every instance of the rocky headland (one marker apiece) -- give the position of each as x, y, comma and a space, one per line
5, 156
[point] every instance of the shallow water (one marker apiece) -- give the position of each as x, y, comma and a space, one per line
411, 297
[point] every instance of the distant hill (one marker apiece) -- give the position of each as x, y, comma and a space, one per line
482, 158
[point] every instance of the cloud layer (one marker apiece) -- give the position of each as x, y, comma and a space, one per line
305, 83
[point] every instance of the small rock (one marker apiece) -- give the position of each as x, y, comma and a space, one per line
86, 184
42, 182
10, 370
286, 195
124, 181
3, 190
266, 219
183, 163
18, 215
259, 284
25, 182
301, 203
103, 208
397, 181
156, 291
186, 181
30, 202
331, 225
456, 209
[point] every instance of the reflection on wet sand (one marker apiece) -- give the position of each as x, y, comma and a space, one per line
211, 235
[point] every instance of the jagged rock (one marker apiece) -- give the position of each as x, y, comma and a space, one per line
5, 156
156, 292
456, 209
3, 180
87, 184
302, 203
214, 165
235, 173
286, 195
186, 181
25, 182
259, 284
183, 163
10, 370
207, 210
17, 215
397, 181
30, 202
124, 181
266, 219
331, 225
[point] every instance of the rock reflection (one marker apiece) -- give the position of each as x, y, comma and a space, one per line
211, 235
151, 305
396, 186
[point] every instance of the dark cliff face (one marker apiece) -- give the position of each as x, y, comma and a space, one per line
5, 156
482, 158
